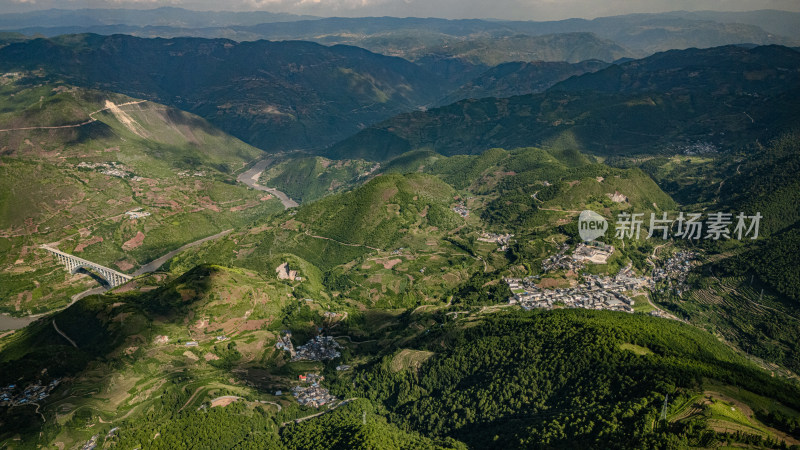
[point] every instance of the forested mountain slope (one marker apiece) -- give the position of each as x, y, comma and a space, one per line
726, 97
273, 95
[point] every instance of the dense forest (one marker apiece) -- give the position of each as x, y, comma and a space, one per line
558, 379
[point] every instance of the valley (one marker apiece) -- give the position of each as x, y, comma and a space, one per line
398, 233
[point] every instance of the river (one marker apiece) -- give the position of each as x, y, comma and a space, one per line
14, 323
250, 178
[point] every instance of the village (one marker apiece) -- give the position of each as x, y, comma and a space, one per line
112, 168
501, 240
9, 395
312, 394
595, 293
317, 349
674, 272
461, 210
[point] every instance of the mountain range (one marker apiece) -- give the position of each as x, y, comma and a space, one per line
274, 95
433, 288
725, 96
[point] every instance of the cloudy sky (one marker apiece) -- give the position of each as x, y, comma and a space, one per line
501, 9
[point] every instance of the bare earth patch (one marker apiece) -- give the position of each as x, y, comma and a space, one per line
252, 325
391, 263
134, 242
95, 240
123, 265
24, 296
223, 401
549, 283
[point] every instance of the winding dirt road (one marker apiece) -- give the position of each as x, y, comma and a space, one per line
64, 335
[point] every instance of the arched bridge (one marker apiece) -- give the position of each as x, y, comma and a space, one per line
74, 263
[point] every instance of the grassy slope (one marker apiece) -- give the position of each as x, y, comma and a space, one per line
312, 177
120, 372
181, 173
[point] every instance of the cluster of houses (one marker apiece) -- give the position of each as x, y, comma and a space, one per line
595, 252
501, 240
318, 349
137, 213
674, 271
461, 210
312, 394
112, 168
285, 343
91, 443
11, 396
561, 261
595, 293
186, 173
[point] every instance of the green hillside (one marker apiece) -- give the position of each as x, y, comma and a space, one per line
381, 211
745, 291
312, 177
726, 98
274, 95
73, 186
516, 380
433, 289
520, 78
509, 378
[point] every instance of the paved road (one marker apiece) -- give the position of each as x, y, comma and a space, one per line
303, 419
86, 293
152, 266
250, 178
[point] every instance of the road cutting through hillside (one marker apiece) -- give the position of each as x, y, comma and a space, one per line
64, 335
109, 106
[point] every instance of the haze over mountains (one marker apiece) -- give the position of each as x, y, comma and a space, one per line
300, 95
366, 233
722, 96
275, 95
489, 42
